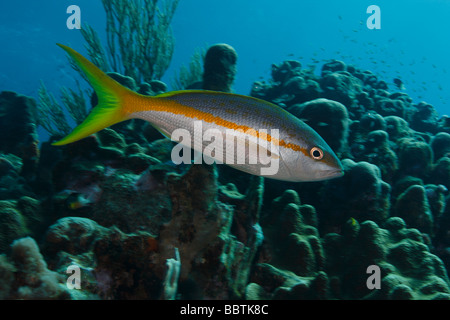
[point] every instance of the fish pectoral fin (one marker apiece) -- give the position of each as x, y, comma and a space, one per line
165, 133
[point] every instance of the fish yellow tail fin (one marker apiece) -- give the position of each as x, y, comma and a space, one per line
111, 100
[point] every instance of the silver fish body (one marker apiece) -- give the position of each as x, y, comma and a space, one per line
232, 115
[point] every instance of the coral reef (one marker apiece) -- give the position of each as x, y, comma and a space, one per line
290, 85
19, 218
219, 68
440, 145
297, 264
114, 206
340, 86
415, 157
397, 166
377, 151
18, 122
190, 76
328, 118
425, 118
25, 274
113, 264
412, 206
51, 114
217, 238
360, 194
12, 184
408, 269
292, 259
441, 172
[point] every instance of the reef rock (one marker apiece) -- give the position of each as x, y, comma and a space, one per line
18, 129
291, 259
112, 264
19, 218
215, 233
413, 207
217, 243
440, 144
329, 118
415, 157
408, 269
425, 118
390, 107
333, 66
219, 68
25, 275
360, 194
440, 173
377, 151
397, 128
12, 184
340, 86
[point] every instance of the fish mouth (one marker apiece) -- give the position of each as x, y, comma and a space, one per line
334, 173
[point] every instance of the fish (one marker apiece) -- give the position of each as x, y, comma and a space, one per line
78, 202
300, 152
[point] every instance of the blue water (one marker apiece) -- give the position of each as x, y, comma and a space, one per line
412, 43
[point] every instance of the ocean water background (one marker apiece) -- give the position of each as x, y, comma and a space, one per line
412, 43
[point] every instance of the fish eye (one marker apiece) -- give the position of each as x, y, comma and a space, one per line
316, 153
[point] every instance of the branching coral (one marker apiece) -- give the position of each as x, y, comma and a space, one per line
75, 103
95, 50
172, 276
140, 43
51, 114
192, 73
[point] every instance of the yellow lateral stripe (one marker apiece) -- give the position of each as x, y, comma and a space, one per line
164, 105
